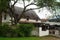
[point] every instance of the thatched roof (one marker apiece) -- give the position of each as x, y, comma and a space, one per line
31, 14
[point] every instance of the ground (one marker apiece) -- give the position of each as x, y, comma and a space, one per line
32, 38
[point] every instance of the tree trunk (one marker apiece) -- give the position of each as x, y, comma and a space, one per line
15, 19
0, 17
11, 21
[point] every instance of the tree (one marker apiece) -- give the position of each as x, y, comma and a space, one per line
11, 8
3, 7
54, 5
25, 8
40, 3
50, 4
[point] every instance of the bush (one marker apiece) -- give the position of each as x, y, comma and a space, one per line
4, 29
22, 30
7, 31
25, 30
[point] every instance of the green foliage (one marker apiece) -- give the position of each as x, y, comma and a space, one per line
33, 38
3, 4
7, 31
25, 29
22, 30
43, 3
4, 29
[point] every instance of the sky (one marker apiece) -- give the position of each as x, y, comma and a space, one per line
43, 14
58, 0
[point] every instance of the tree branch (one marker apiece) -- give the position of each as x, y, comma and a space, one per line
31, 9
30, 4
24, 3
24, 10
15, 2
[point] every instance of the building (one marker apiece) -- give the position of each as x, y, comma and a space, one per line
42, 27
54, 28
28, 17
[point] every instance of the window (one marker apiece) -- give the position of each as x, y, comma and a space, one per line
50, 32
37, 19
5, 17
44, 28
27, 17
53, 32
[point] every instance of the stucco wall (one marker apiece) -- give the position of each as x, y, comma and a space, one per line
57, 33
43, 33
35, 32
7, 18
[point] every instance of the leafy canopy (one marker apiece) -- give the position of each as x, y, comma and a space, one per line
3, 4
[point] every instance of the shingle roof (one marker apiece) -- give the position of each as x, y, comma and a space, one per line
31, 14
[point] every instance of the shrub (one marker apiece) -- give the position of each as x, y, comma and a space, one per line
22, 30
4, 29
25, 30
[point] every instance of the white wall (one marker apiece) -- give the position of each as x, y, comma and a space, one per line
43, 33
56, 32
35, 32
7, 18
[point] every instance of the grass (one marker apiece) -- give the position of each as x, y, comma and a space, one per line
32, 38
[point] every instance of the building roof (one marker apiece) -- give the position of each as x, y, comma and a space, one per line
29, 21
55, 18
53, 23
31, 14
